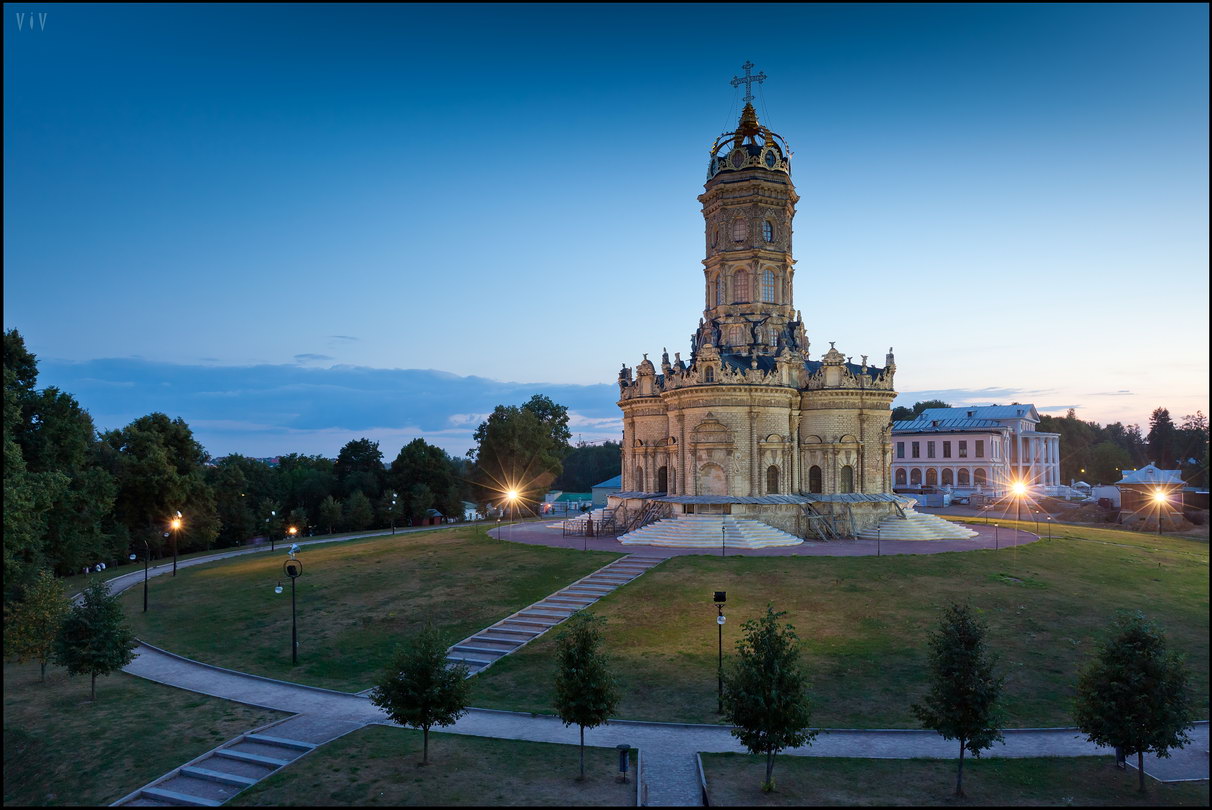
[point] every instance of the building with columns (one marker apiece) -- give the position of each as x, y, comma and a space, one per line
751, 424
975, 449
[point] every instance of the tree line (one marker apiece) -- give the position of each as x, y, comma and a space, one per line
74, 496
1098, 454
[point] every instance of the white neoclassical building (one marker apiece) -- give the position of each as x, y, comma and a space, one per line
975, 449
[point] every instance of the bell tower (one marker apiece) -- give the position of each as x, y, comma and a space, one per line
748, 204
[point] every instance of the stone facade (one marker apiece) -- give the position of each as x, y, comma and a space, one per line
752, 414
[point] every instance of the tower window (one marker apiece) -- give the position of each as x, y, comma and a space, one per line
739, 230
715, 236
767, 231
719, 289
710, 374
740, 286
768, 285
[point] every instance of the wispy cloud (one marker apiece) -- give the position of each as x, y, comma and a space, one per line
1121, 393
304, 358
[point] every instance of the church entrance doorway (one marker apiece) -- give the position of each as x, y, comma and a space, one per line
712, 481
662, 479
772, 480
814, 478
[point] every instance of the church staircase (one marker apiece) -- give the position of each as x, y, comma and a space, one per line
917, 526
707, 531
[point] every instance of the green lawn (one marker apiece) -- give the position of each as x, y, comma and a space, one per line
379, 765
735, 779
60, 749
356, 601
864, 622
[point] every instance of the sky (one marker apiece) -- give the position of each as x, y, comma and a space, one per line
298, 225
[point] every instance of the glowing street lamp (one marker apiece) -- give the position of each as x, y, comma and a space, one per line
175, 524
1019, 489
512, 495
1161, 499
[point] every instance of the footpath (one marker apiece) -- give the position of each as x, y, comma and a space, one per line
669, 776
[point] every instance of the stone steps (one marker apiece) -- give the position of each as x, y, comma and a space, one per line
215, 777
917, 526
514, 632
704, 531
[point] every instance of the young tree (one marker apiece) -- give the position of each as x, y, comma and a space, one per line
1135, 694
421, 689
962, 702
94, 638
330, 513
358, 511
32, 624
766, 691
585, 691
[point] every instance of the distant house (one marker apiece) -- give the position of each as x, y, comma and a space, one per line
979, 448
1139, 490
470, 512
608, 487
432, 518
557, 502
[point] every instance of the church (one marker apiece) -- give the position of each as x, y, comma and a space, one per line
751, 424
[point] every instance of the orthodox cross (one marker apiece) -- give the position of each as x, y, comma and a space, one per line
748, 81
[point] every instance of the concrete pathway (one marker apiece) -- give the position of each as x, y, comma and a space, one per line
670, 777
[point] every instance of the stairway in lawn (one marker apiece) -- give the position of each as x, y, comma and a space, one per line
512, 633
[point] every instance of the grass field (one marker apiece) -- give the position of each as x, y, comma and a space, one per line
378, 765
734, 780
864, 622
356, 600
135, 731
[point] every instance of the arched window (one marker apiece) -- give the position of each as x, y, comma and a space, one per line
662, 479
709, 376
767, 231
931, 477
740, 287
963, 476
915, 478
768, 287
639, 479
847, 482
736, 335
719, 289
947, 477
715, 236
978, 477
814, 478
900, 477
772, 480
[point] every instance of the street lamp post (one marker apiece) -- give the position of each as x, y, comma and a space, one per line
720, 598
269, 527
393, 513
722, 536
175, 524
292, 568
146, 557
1049, 519
995, 537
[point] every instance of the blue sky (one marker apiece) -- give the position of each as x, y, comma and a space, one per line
252, 199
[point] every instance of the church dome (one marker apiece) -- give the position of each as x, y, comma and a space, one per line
749, 146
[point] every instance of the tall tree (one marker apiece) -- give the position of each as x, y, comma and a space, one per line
766, 690
1135, 694
159, 468
589, 464
31, 625
585, 690
421, 463
1163, 437
94, 638
515, 450
29, 498
1105, 462
962, 702
555, 418
421, 689
359, 468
